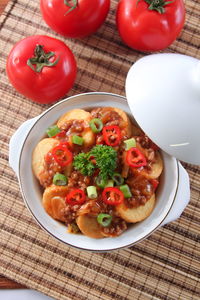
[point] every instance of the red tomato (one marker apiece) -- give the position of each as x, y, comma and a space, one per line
48, 80
74, 19
144, 29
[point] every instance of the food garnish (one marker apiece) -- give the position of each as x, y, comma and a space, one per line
78, 140
112, 135
105, 160
59, 179
62, 155
125, 190
76, 197
118, 179
112, 196
104, 219
130, 143
83, 164
135, 158
52, 131
92, 192
96, 125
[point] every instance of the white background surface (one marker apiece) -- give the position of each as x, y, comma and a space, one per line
22, 295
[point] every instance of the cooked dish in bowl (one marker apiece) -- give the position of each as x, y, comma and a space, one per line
98, 172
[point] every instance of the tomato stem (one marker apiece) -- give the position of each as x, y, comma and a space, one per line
157, 5
72, 6
41, 59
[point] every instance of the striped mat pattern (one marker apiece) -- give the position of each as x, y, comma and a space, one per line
164, 266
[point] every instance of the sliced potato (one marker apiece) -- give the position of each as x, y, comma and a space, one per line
89, 226
157, 167
54, 201
74, 114
79, 114
136, 214
127, 122
42, 148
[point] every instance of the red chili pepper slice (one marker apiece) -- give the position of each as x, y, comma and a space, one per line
112, 196
112, 135
154, 183
135, 158
62, 155
75, 197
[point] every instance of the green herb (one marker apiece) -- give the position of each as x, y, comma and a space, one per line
105, 159
96, 125
110, 183
104, 219
100, 182
52, 130
78, 140
130, 143
59, 179
92, 192
118, 179
83, 164
125, 190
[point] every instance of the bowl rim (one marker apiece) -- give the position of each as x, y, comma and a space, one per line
35, 217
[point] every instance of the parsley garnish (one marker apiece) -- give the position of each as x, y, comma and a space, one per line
106, 161
83, 164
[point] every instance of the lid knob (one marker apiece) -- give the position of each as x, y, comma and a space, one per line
163, 92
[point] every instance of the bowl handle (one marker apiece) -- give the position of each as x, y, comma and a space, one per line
16, 143
182, 196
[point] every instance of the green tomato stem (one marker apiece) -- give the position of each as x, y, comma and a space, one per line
157, 5
41, 59
72, 6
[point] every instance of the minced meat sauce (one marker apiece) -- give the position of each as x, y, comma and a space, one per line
141, 189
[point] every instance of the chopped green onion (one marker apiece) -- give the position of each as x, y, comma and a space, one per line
100, 182
59, 179
129, 144
109, 183
78, 140
96, 125
125, 190
52, 130
118, 179
92, 192
104, 219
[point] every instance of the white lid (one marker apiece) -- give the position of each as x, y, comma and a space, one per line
163, 92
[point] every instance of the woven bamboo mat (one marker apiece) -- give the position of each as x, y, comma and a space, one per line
164, 266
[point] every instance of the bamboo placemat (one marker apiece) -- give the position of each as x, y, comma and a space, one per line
164, 266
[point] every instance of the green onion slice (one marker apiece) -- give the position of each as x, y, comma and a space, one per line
130, 143
125, 190
59, 179
118, 179
78, 140
96, 125
92, 192
52, 130
109, 183
104, 219
100, 182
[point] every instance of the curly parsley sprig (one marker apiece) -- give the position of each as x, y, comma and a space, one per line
105, 158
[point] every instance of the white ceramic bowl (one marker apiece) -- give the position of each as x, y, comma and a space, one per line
174, 180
